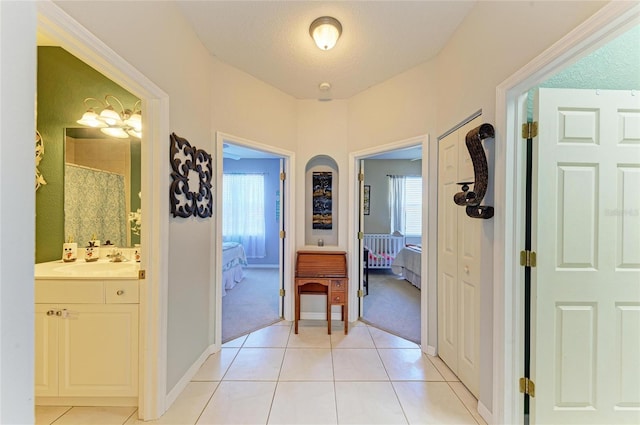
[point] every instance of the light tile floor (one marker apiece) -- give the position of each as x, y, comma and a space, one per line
273, 376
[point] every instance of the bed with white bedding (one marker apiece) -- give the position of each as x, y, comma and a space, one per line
408, 264
233, 260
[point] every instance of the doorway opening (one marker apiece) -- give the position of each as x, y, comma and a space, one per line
508, 406
253, 198
392, 244
61, 30
378, 246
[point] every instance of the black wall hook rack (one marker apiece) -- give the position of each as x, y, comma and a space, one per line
472, 199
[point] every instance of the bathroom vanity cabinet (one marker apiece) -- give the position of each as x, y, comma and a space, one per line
86, 341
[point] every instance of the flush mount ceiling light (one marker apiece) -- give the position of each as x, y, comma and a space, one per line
325, 31
127, 122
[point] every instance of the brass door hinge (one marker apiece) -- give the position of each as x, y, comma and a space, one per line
283, 176
142, 274
528, 258
282, 292
360, 293
527, 387
283, 234
361, 177
529, 130
360, 235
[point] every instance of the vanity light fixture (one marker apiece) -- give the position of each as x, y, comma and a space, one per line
127, 122
325, 31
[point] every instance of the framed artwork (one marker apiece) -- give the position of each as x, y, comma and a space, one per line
322, 183
367, 199
192, 169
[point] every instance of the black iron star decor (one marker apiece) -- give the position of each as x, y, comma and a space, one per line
190, 167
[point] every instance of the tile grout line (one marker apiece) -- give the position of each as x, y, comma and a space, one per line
462, 401
275, 389
404, 413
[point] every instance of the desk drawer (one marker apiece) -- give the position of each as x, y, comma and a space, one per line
338, 297
338, 284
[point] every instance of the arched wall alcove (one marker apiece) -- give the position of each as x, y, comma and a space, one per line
321, 201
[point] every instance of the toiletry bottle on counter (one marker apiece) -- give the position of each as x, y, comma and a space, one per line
91, 252
69, 251
96, 246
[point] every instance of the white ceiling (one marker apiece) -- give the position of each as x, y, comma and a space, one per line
270, 40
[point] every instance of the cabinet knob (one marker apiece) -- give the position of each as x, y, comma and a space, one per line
120, 292
59, 313
466, 269
51, 313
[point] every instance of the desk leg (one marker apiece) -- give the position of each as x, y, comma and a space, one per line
345, 317
328, 313
297, 313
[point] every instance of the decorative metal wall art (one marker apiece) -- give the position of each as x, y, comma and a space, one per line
192, 170
471, 200
322, 206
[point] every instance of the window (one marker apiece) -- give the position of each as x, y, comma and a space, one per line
413, 206
243, 212
405, 205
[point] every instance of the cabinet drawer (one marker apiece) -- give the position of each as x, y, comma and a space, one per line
339, 285
122, 292
338, 297
69, 291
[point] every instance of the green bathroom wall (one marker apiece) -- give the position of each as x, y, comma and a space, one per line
63, 83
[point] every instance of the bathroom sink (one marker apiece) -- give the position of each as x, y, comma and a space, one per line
96, 270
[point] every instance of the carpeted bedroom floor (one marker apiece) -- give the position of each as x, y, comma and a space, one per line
251, 304
393, 305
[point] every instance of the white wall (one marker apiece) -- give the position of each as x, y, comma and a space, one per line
246, 107
495, 40
17, 205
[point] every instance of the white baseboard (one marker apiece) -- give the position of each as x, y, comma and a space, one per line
186, 378
431, 350
485, 413
320, 316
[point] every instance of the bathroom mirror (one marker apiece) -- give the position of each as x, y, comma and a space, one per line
101, 187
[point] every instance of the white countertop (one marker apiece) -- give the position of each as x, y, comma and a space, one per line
80, 269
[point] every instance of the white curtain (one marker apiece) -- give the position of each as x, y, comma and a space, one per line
243, 212
396, 203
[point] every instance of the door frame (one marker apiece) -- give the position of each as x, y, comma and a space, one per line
77, 40
428, 300
613, 19
287, 217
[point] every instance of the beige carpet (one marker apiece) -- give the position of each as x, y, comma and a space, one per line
393, 305
251, 304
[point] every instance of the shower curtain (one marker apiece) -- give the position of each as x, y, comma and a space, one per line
94, 205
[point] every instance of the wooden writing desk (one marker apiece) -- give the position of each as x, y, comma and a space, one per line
319, 273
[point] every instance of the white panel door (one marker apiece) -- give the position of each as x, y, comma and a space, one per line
46, 350
98, 350
448, 251
469, 264
586, 286
459, 263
